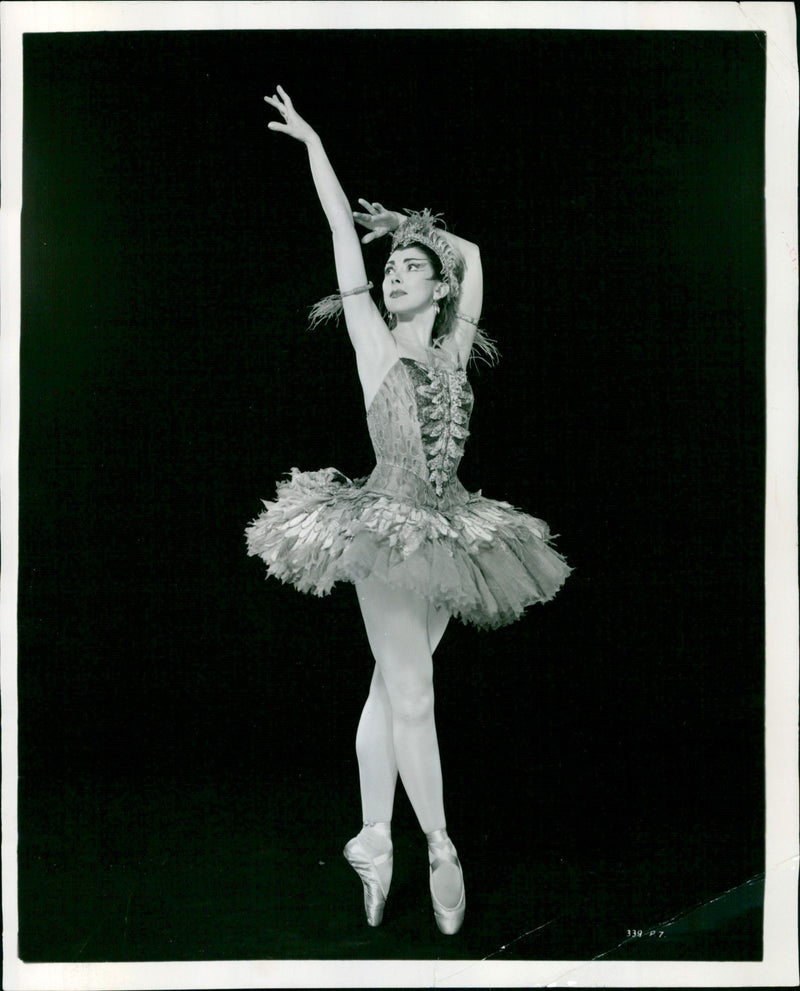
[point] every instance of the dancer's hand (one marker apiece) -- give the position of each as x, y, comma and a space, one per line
377, 219
293, 124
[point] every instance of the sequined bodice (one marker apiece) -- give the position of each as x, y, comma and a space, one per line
419, 423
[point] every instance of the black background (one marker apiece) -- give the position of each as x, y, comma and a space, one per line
186, 728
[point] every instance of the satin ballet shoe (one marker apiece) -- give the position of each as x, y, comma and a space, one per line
376, 888
441, 853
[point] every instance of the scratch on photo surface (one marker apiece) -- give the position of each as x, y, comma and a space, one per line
758, 29
516, 939
501, 949
137, 881
752, 888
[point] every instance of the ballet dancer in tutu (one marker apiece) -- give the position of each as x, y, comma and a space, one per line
415, 544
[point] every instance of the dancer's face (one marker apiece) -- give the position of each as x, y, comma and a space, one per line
410, 284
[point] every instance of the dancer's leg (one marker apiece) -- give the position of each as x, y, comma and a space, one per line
377, 767
397, 627
437, 624
370, 852
447, 882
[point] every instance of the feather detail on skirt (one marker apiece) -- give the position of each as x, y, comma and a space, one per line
482, 560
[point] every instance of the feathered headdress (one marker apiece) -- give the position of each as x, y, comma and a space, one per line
420, 228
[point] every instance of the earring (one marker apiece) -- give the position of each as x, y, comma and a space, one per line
435, 308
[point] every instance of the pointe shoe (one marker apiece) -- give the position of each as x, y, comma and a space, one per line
376, 884
441, 852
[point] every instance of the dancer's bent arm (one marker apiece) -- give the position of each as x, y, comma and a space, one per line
470, 298
380, 221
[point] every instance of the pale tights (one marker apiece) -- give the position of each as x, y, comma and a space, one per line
397, 730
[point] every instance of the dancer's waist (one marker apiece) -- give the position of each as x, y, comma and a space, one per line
400, 482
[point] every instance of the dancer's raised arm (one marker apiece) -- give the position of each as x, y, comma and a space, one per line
367, 329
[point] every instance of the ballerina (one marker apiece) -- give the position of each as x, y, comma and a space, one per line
415, 544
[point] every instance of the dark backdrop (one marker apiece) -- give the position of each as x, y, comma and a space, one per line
170, 697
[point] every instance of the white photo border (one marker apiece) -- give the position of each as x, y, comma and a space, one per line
779, 966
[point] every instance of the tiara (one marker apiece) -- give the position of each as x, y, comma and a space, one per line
420, 228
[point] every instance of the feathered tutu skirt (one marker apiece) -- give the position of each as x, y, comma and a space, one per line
482, 560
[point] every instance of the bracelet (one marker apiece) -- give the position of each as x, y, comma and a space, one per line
465, 318
355, 292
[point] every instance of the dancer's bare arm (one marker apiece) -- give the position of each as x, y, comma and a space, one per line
367, 329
